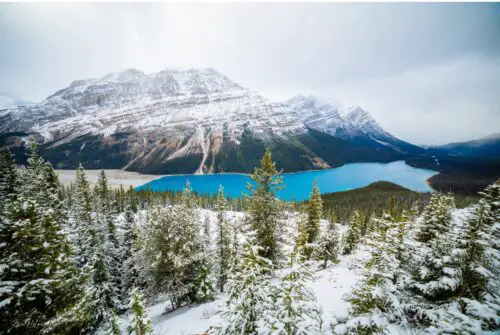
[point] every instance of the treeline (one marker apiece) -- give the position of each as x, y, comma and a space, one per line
377, 197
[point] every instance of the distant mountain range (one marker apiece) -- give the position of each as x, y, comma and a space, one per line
487, 147
200, 121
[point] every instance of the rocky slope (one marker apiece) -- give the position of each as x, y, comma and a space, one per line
192, 121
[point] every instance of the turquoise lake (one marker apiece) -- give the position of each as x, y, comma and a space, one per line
299, 185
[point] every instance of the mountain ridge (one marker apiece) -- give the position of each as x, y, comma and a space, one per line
194, 121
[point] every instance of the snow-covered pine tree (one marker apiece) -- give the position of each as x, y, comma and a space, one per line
264, 208
353, 233
437, 273
478, 307
436, 218
375, 300
84, 226
328, 248
482, 246
296, 309
205, 282
106, 216
128, 252
314, 214
114, 328
250, 295
308, 225
101, 285
170, 254
8, 176
38, 280
223, 244
139, 322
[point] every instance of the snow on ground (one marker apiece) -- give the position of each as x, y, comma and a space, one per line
329, 286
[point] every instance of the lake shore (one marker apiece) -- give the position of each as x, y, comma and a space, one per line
116, 178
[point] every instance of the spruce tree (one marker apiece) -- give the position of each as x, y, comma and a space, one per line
353, 233
375, 300
296, 310
205, 282
8, 176
171, 252
481, 261
84, 225
139, 323
314, 214
114, 328
38, 280
264, 211
106, 214
328, 245
250, 295
129, 249
436, 272
223, 244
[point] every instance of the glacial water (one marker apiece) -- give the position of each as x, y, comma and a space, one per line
299, 185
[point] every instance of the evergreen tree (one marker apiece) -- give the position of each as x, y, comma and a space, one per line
296, 310
105, 293
314, 214
86, 234
264, 208
328, 245
250, 295
139, 323
129, 250
437, 273
478, 307
206, 289
375, 300
481, 261
38, 280
114, 328
8, 176
106, 214
223, 253
171, 252
353, 233
436, 218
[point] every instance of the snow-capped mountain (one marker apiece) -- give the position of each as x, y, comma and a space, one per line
352, 123
192, 120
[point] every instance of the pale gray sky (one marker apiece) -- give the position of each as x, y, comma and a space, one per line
429, 73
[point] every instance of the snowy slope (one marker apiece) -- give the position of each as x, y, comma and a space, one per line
352, 123
329, 286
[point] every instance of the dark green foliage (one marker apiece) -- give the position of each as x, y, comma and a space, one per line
353, 234
8, 175
264, 207
460, 175
481, 245
374, 199
140, 324
38, 280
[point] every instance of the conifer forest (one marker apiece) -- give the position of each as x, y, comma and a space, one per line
94, 260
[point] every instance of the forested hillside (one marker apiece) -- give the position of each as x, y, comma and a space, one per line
78, 260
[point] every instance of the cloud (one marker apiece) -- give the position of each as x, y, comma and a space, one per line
360, 52
456, 100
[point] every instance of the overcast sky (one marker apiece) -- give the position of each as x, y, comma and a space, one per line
428, 73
